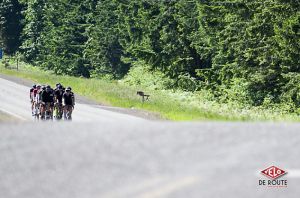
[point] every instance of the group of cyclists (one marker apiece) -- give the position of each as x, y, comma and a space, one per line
48, 103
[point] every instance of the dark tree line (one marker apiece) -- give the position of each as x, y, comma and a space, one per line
250, 47
10, 25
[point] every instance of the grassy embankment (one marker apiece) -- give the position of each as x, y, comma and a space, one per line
169, 104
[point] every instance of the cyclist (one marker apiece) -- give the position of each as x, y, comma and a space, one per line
47, 97
73, 96
31, 97
58, 95
68, 103
31, 90
35, 96
39, 94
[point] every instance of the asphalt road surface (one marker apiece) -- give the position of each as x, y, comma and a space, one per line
108, 154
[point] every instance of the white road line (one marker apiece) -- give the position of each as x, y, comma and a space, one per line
13, 114
171, 187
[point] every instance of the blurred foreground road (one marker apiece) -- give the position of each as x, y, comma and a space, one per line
108, 154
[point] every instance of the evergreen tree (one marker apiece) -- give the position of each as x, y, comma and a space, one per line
103, 48
34, 24
249, 44
10, 25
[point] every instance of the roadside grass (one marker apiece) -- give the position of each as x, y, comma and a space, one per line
172, 105
117, 94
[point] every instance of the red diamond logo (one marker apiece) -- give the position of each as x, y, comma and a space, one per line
273, 172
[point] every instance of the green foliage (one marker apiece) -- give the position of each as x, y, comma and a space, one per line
141, 75
291, 90
158, 32
245, 40
187, 83
34, 25
10, 25
245, 51
103, 48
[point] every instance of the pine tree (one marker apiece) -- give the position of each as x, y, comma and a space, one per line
10, 25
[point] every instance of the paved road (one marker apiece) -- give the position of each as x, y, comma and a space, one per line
107, 154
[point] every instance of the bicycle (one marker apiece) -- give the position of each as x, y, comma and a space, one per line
36, 109
58, 111
68, 112
48, 113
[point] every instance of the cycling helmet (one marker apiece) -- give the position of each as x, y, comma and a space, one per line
69, 88
34, 86
38, 86
57, 85
43, 87
48, 87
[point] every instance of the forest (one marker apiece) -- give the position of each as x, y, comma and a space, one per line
246, 51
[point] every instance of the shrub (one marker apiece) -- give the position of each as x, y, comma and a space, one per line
187, 83
141, 74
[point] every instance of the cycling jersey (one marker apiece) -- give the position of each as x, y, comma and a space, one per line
47, 96
73, 97
30, 92
39, 95
34, 93
68, 99
58, 94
